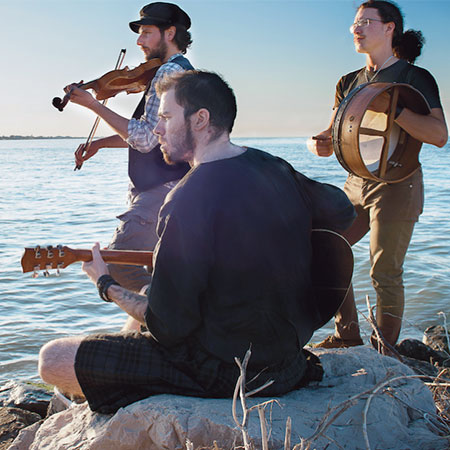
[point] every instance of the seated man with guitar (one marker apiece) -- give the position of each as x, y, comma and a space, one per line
232, 270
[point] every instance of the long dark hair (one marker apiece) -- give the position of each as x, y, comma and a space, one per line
406, 45
182, 38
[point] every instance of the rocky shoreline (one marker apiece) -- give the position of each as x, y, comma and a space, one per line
38, 415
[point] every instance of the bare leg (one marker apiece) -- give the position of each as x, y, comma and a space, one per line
131, 324
57, 364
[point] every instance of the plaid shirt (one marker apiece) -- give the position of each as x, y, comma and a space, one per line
140, 131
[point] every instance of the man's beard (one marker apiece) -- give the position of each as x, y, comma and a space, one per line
159, 52
183, 148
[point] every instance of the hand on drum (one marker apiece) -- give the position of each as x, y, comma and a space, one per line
321, 144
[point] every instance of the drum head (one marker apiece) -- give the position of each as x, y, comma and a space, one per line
366, 140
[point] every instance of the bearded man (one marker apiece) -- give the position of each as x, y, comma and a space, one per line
232, 269
163, 33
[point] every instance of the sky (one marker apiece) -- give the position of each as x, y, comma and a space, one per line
283, 58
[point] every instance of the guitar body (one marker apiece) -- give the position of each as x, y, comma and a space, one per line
331, 273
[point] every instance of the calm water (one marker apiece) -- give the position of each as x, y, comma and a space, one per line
44, 202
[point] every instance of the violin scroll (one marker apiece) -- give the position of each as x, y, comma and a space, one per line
60, 103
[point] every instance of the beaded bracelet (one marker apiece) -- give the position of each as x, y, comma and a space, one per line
103, 284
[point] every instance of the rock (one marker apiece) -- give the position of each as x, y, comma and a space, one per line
413, 348
12, 420
57, 404
436, 337
25, 396
421, 367
395, 417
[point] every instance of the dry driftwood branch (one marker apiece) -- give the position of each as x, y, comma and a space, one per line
239, 390
262, 421
442, 400
432, 419
264, 404
380, 338
330, 416
255, 391
287, 434
441, 397
337, 410
375, 391
440, 422
442, 313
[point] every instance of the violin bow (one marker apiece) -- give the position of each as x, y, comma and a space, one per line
97, 119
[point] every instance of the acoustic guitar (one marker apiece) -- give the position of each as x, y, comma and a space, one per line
331, 267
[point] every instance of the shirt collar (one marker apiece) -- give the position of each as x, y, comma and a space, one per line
174, 56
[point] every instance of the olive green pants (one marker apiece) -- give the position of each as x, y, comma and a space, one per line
137, 231
389, 212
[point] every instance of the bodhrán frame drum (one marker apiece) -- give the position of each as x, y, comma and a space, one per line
367, 142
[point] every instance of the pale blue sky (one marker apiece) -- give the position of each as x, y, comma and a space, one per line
282, 58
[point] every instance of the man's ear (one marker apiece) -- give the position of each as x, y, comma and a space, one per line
200, 119
390, 27
170, 33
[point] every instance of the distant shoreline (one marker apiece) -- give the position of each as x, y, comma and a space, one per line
14, 137
30, 138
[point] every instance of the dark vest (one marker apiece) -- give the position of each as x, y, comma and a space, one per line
148, 170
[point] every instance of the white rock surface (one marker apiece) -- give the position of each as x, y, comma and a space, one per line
395, 418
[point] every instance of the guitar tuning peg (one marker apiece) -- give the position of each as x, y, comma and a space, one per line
35, 272
47, 268
37, 251
58, 272
60, 250
50, 251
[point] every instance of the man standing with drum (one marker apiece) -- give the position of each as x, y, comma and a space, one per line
388, 210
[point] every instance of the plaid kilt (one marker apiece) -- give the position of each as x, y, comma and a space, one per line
115, 370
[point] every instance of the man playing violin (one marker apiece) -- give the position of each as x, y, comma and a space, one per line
227, 275
163, 33
388, 210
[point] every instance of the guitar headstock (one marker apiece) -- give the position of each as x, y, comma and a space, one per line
46, 258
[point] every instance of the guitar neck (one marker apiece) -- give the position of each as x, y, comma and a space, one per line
38, 258
127, 257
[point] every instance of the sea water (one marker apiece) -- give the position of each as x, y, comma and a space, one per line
44, 202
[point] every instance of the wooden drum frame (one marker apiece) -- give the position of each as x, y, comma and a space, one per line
370, 144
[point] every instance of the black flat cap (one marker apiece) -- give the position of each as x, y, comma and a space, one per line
161, 13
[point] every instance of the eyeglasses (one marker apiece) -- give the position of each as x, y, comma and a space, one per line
362, 23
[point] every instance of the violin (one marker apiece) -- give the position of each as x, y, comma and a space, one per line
117, 80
